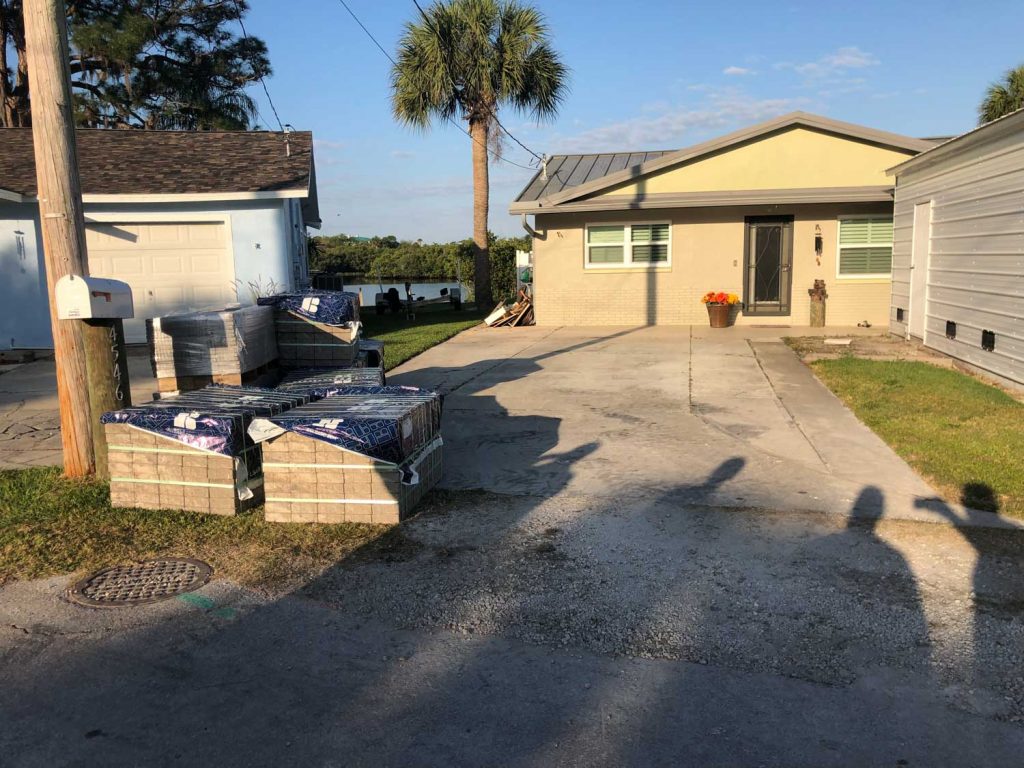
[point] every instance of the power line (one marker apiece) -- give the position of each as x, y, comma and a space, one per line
263, 82
449, 119
493, 114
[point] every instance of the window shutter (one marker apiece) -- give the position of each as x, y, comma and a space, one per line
606, 254
865, 261
646, 233
606, 234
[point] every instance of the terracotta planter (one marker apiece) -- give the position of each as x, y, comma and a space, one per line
718, 314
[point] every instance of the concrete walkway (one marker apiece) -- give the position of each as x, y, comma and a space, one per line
29, 421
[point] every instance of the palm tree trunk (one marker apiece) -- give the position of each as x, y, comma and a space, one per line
481, 205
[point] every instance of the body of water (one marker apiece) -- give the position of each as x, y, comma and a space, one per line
428, 289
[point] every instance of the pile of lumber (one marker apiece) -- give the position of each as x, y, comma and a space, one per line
519, 313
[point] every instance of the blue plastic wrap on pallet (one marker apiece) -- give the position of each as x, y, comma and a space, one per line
377, 422
328, 307
214, 418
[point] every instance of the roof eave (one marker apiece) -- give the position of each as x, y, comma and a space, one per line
11, 197
709, 199
1003, 126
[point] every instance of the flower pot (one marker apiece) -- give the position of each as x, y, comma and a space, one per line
718, 314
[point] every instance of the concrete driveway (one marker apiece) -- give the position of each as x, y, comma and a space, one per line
655, 547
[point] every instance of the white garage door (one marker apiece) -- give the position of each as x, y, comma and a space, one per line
171, 267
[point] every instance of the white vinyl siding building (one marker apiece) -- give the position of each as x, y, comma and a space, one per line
958, 255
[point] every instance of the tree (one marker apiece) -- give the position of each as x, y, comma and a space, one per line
462, 61
172, 64
1004, 97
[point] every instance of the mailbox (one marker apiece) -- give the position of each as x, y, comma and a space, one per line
89, 298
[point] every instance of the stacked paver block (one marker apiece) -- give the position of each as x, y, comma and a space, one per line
316, 329
191, 350
365, 454
191, 452
149, 471
304, 343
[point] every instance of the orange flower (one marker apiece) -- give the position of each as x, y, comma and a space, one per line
720, 297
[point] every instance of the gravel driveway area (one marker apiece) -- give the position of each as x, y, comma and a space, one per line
653, 547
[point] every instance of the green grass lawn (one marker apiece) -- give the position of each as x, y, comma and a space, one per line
961, 434
404, 339
51, 525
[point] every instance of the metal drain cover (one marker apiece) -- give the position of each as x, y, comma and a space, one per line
140, 583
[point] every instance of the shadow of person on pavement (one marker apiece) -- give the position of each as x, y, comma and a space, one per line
997, 599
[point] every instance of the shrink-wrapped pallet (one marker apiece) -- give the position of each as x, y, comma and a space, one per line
193, 349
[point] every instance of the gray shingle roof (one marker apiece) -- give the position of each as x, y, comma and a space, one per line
169, 162
565, 171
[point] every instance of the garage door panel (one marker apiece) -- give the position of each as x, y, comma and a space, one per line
206, 237
212, 296
167, 264
171, 267
112, 236
205, 262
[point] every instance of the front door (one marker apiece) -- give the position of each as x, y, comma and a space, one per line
768, 262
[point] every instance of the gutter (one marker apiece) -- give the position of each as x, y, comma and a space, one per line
530, 230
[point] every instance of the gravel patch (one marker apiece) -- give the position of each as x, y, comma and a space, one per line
804, 596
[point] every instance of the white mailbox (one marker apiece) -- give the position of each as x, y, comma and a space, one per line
87, 298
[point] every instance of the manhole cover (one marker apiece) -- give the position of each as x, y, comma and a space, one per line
140, 583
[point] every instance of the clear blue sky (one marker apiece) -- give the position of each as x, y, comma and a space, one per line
646, 74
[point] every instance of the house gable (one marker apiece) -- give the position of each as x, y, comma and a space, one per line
795, 158
798, 157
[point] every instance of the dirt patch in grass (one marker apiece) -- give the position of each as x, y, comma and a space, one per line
960, 433
50, 525
876, 347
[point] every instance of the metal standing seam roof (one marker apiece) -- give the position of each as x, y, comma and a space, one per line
566, 171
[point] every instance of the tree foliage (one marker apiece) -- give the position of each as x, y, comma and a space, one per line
1003, 97
463, 60
391, 259
170, 64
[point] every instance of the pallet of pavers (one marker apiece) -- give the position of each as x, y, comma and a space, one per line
228, 346
324, 382
316, 328
363, 454
192, 452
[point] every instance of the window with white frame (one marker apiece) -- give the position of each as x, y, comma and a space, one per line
865, 246
625, 245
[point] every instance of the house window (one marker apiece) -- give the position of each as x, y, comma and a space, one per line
865, 246
626, 245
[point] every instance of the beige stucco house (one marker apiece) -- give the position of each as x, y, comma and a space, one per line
638, 238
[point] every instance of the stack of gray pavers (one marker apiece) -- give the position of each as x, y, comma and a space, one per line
316, 329
190, 350
362, 454
192, 452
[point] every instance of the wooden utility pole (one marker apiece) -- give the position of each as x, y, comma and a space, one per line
61, 219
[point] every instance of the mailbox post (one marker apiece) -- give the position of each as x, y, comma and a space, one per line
102, 305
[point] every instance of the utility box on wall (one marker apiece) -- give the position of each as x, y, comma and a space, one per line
93, 298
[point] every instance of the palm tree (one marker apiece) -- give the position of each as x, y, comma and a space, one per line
1004, 97
462, 61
